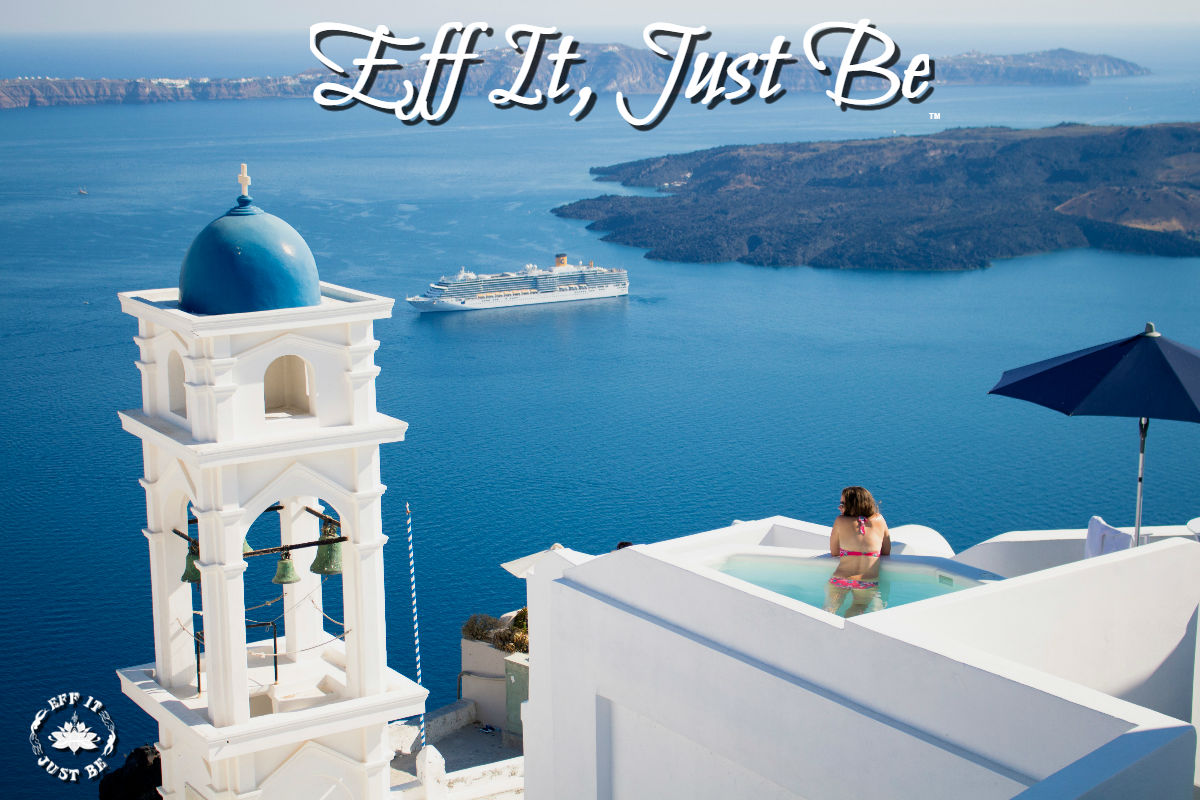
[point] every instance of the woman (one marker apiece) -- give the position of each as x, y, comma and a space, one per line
858, 539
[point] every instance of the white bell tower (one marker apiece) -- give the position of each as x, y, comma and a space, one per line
258, 393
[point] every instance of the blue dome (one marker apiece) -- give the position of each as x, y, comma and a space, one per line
247, 260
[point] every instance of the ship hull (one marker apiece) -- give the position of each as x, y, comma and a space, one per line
429, 305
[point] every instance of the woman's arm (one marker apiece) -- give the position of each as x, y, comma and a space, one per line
885, 548
834, 547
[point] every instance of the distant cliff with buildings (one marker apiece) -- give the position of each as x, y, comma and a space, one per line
38, 91
946, 201
606, 68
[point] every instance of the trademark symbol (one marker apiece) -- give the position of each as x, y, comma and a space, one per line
935, 115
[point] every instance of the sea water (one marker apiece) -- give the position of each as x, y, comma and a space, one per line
713, 392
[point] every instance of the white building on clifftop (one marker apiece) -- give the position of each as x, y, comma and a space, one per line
258, 396
687, 669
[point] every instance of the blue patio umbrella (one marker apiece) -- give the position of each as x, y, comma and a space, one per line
1144, 376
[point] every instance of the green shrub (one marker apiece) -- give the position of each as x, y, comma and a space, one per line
480, 627
511, 640
502, 639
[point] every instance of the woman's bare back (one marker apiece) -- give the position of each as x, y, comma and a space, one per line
859, 542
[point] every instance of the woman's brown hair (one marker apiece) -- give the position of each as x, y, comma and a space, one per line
858, 502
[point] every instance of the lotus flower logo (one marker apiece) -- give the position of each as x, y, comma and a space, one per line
73, 736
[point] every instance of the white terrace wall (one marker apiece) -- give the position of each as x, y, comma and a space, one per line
782, 531
1021, 552
669, 683
538, 713
1124, 624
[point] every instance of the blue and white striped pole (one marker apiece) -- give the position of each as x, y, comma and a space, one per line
412, 579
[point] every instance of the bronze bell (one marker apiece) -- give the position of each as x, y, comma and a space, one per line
285, 571
329, 556
190, 573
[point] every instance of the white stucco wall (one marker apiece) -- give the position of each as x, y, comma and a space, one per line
482, 681
1021, 552
1122, 624
647, 679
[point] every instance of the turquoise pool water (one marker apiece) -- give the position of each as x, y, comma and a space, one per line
805, 579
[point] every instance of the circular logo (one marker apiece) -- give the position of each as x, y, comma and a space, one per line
66, 747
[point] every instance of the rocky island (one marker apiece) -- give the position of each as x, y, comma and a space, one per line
947, 201
606, 68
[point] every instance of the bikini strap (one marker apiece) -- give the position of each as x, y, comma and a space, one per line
862, 525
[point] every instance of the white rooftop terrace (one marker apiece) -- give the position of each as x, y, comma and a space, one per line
655, 675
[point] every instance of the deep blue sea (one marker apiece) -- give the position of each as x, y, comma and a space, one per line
713, 392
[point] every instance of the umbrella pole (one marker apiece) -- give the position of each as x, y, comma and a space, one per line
1143, 424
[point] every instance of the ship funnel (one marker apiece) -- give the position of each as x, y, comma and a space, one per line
560, 259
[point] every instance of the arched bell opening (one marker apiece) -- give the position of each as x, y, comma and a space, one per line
261, 593
281, 585
292, 553
288, 388
328, 563
191, 537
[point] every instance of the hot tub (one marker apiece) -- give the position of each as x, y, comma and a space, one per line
902, 579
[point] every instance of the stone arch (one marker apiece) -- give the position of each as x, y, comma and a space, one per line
174, 509
297, 480
325, 363
303, 609
289, 387
175, 489
176, 391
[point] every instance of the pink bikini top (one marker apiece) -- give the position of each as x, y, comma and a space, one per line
862, 528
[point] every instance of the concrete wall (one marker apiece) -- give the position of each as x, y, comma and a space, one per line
483, 681
539, 711
1122, 624
1021, 552
516, 671
657, 682
1132, 765
404, 736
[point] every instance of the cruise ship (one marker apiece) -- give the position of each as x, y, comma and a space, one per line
468, 291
